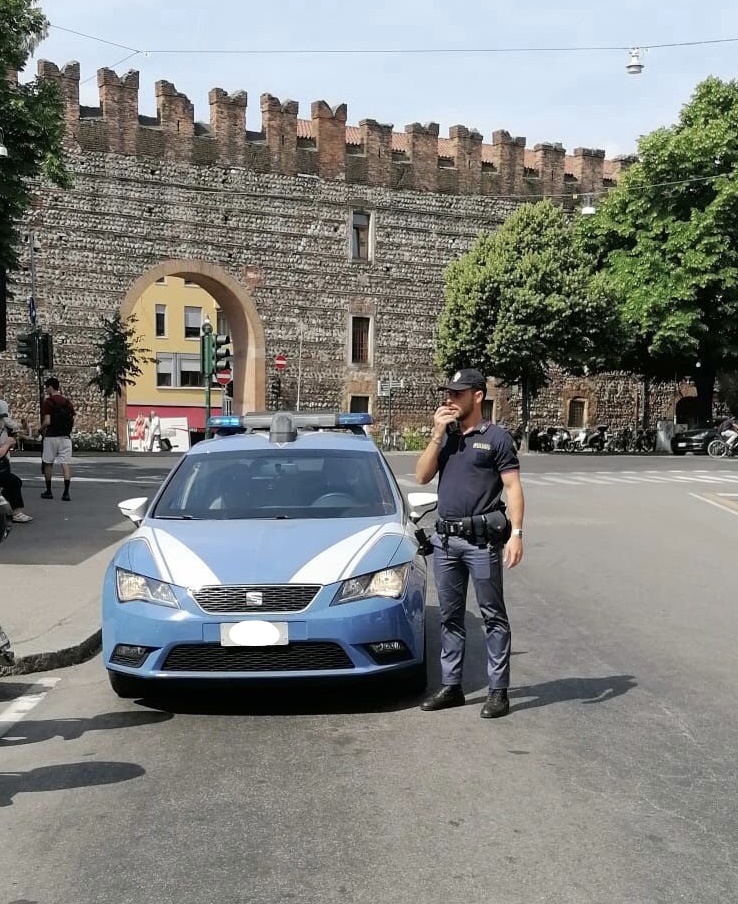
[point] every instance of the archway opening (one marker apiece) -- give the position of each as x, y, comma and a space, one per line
182, 345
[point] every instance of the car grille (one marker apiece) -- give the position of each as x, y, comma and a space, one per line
240, 598
295, 657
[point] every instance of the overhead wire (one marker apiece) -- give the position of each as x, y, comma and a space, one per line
400, 50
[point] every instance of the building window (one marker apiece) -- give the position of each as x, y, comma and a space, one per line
161, 320
192, 322
178, 371
576, 413
164, 370
189, 370
361, 236
360, 333
359, 404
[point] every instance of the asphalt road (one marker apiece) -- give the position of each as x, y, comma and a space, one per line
613, 781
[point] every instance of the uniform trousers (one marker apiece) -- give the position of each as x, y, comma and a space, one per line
10, 485
452, 568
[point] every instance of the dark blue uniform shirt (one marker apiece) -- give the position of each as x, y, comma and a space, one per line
469, 469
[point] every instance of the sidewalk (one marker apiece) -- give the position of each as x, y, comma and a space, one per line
51, 613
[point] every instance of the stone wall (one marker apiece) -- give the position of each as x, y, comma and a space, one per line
271, 211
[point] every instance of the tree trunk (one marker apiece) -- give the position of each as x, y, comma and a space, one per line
704, 382
525, 394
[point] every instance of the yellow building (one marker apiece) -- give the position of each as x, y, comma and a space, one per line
169, 316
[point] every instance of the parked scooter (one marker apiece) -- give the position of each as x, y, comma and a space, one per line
589, 440
561, 439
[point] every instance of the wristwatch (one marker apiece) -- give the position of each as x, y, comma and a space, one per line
517, 532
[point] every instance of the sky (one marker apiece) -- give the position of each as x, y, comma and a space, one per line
580, 97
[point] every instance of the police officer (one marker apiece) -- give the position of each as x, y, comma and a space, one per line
475, 461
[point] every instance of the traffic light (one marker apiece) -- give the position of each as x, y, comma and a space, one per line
27, 350
45, 351
221, 354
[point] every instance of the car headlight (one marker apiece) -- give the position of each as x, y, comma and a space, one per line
132, 587
389, 582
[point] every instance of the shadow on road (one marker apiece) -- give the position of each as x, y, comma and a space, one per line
563, 690
31, 731
60, 778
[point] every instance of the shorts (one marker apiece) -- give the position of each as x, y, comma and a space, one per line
57, 448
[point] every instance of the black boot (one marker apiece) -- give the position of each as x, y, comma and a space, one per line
496, 705
448, 695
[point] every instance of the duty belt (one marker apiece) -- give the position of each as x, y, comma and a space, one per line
479, 530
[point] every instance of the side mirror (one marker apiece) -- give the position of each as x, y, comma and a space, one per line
421, 504
135, 509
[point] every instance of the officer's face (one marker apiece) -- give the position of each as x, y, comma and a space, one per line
461, 400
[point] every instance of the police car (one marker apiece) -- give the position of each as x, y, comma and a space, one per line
280, 549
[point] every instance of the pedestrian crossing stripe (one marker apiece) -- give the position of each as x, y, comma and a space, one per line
607, 478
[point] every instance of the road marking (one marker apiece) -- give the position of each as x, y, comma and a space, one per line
604, 478
20, 708
726, 506
152, 481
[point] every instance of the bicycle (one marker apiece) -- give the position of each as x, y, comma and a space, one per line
392, 442
719, 448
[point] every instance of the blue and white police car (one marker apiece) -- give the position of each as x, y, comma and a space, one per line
280, 549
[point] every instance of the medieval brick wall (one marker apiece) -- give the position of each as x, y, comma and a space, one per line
272, 211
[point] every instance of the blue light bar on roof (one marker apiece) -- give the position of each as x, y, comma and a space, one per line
355, 420
225, 421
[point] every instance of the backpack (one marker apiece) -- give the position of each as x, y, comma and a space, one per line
62, 419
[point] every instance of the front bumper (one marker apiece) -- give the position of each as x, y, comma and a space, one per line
324, 641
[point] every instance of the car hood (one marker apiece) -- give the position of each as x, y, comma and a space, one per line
199, 553
693, 434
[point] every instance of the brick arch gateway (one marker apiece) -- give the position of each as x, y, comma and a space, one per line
245, 324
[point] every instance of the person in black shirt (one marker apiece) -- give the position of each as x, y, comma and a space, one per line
476, 462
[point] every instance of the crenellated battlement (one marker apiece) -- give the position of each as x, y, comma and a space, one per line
371, 153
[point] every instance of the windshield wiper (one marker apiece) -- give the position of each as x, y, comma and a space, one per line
175, 518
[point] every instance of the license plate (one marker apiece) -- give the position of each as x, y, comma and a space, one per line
254, 633
681, 445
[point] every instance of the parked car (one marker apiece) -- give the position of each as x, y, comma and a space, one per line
281, 549
696, 440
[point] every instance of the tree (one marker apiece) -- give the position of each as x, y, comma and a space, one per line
524, 297
666, 243
32, 121
119, 358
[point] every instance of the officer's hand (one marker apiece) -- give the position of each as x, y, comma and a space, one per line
442, 417
513, 552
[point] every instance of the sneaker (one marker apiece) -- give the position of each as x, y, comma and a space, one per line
65, 497
496, 705
21, 518
47, 494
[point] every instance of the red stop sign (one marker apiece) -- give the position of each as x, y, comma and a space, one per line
224, 377
280, 362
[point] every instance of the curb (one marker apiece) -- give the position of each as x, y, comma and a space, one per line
46, 662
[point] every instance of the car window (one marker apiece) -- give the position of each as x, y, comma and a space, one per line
278, 483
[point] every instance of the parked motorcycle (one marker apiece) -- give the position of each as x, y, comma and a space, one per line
589, 440
560, 438
540, 440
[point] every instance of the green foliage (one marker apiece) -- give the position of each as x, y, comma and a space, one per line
523, 297
32, 122
119, 356
666, 242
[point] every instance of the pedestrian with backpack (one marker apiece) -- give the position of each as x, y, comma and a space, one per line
57, 421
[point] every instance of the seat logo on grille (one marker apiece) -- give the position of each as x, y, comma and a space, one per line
254, 598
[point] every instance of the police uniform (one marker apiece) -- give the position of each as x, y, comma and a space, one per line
470, 487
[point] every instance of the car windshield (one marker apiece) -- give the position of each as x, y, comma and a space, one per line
277, 483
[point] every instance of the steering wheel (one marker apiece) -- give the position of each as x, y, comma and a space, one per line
329, 500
